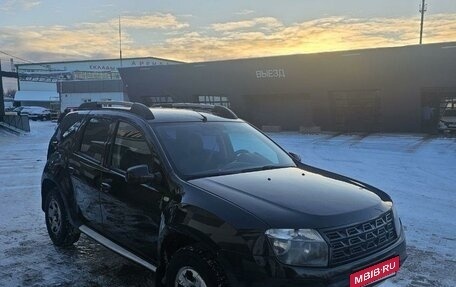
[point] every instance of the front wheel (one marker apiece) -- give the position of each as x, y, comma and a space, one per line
60, 230
194, 267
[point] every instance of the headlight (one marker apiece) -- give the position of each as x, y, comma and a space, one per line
397, 222
303, 247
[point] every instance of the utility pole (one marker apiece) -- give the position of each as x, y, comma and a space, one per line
2, 103
120, 42
423, 8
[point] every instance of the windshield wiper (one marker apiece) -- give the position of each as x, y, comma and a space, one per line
265, 167
227, 172
196, 176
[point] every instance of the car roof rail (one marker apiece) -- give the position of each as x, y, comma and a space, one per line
135, 108
217, 110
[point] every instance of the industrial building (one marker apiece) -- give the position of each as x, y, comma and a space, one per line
40, 83
401, 89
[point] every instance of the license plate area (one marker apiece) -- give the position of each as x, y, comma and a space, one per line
375, 273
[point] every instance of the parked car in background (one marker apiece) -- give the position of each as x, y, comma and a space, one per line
447, 122
34, 112
18, 110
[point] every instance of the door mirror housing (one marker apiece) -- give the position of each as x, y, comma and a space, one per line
140, 174
294, 156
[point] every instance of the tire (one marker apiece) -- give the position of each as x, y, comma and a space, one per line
60, 230
193, 266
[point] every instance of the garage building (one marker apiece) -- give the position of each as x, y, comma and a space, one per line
401, 89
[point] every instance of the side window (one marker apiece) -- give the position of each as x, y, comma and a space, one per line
95, 137
130, 148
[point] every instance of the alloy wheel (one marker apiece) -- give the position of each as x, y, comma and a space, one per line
188, 277
54, 216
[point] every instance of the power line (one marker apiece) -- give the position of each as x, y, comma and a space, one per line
16, 57
28, 61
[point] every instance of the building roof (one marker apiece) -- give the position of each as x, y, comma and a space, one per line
96, 60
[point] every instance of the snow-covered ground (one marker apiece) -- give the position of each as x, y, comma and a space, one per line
27, 256
417, 171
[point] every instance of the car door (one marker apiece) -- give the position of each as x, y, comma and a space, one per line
85, 167
131, 212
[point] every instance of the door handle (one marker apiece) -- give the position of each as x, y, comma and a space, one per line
105, 187
72, 170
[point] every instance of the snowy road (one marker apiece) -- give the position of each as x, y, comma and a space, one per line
416, 171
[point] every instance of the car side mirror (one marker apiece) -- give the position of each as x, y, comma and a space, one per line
294, 156
140, 174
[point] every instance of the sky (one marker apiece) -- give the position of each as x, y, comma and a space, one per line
50, 30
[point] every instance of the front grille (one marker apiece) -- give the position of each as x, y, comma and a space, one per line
350, 243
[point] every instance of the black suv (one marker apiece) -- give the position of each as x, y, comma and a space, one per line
205, 199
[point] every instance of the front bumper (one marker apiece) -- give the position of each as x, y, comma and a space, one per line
274, 274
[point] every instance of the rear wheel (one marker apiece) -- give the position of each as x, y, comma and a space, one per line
194, 267
60, 230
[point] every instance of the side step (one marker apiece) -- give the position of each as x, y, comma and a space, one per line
115, 247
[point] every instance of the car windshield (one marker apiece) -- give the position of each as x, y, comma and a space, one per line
201, 149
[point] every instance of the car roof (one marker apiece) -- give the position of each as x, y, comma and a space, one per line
170, 112
164, 115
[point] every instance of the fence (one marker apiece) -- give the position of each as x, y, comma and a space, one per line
18, 122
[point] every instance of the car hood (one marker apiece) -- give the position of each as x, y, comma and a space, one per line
297, 198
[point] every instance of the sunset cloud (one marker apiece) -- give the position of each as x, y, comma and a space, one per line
43, 43
10, 5
154, 21
30, 4
321, 35
255, 37
245, 12
266, 22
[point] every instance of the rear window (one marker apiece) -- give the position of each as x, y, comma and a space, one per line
95, 136
130, 148
69, 125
